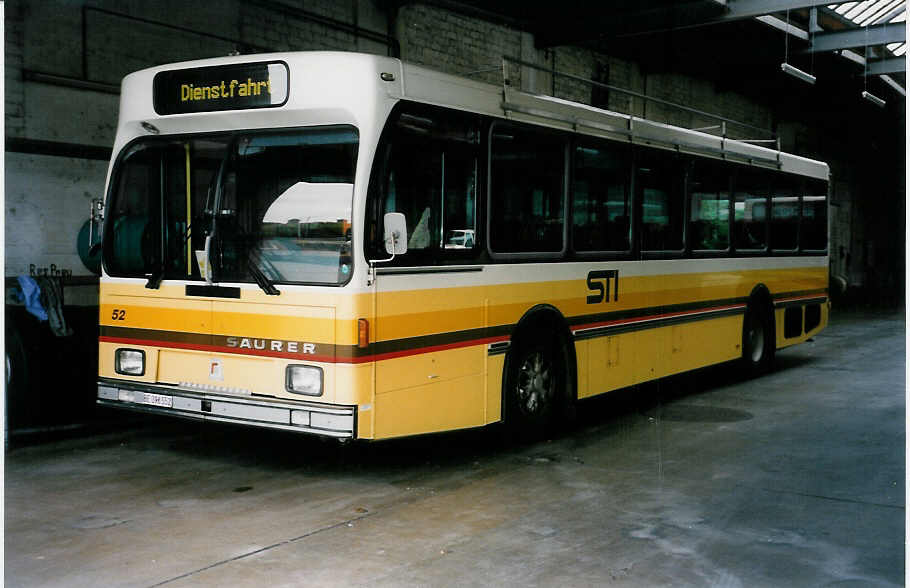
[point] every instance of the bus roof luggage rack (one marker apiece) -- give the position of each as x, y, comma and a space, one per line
518, 104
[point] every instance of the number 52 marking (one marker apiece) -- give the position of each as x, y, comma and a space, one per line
118, 314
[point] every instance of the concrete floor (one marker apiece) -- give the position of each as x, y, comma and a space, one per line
792, 479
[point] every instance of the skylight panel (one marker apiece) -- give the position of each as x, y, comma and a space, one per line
884, 11
863, 17
858, 9
874, 9
842, 8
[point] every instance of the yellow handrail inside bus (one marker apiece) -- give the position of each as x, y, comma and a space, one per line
189, 215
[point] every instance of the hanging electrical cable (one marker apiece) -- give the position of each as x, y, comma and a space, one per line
790, 69
865, 93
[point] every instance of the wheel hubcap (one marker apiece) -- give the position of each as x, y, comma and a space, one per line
535, 383
756, 337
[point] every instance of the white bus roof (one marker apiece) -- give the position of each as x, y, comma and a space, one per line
350, 88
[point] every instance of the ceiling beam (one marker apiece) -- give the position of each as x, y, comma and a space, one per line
880, 67
891, 65
708, 14
897, 87
792, 30
741, 9
859, 37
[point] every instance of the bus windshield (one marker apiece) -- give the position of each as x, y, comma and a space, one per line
277, 204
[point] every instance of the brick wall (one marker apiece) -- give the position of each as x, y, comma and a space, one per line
283, 31
14, 98
456, 44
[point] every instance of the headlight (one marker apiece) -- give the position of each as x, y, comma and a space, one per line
304, 379
129, 362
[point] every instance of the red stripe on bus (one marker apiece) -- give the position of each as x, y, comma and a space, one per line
807, 297
297, 356
432, 348
655, 317
401, 353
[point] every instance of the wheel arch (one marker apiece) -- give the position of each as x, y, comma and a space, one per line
760, 299
759, 316
544, 318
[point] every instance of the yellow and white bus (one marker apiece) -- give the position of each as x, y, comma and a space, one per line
352, 246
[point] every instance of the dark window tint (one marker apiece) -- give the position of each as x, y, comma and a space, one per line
151, 230
600, 198
784, 213
431, 177
660, 184
750, 211
526, 191
813, 231
459, 197
414, 188
709, 217
133, 242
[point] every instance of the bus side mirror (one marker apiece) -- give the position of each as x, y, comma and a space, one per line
203, 260
395, 228
96, 216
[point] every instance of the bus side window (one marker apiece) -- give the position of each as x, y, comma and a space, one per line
813, 228
709, 203
526, 191
784, 213
600, 198
750, 207
460, 197
414, 187
660, 184
431, 178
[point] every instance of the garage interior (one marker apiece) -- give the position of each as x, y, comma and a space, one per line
792, 479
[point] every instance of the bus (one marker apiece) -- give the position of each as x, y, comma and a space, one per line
355, 247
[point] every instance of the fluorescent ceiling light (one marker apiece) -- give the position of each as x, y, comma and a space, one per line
797, 73
874, 99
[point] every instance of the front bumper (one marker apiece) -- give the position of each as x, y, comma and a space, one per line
328, 420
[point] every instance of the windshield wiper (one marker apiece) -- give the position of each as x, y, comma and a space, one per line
155, 277
264, 282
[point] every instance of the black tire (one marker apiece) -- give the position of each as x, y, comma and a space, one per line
536, 384
758, 340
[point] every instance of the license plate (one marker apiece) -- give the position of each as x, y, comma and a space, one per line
156, 400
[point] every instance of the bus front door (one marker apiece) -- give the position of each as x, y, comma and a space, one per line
429, 364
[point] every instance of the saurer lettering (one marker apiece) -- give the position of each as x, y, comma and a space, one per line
271, 345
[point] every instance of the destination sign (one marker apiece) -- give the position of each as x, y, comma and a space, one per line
222, 87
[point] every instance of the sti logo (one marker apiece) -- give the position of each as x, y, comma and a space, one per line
599, 283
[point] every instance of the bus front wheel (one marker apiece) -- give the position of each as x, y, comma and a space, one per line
536, 385
758, 340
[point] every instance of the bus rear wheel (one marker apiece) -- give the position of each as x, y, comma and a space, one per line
758, 340
535, 392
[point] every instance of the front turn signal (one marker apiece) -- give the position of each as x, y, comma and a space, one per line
363, 333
